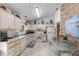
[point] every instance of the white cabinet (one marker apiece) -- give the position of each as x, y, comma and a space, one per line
18, 47
3, 48
18, 24
14, 47
11, 45
6, 20
4, 17
23, 44
11, 21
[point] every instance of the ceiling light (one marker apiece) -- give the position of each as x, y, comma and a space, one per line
37, 11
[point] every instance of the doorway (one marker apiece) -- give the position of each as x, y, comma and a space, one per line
58, 30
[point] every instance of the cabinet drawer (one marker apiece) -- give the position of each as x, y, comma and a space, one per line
14, 47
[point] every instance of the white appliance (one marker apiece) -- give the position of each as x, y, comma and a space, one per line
50, 33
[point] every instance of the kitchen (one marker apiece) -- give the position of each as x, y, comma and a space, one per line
38, 29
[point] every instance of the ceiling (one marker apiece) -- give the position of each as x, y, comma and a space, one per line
28, 9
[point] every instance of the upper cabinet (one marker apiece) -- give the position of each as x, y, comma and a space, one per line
18, 24
9, 21
6, 20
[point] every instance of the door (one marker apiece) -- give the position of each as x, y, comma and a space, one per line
50, 33
58, 29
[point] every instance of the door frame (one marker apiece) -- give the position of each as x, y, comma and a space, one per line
58, 23
46, 32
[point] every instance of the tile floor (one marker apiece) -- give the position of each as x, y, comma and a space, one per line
40, 49
44, 49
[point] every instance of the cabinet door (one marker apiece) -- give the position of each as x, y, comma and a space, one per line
18, 47
11, 47
17, 23
23, 44
0, 17
20, 24
11, 21
5, 19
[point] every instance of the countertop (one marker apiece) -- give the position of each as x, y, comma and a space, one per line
19, 37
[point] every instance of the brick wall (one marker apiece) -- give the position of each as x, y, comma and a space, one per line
68, 10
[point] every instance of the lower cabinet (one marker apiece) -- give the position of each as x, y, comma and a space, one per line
13, 47
23, 44
3, 48
16, 46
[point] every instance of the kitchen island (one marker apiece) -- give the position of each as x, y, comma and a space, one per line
13, 47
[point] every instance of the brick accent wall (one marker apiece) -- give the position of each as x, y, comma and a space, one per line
68, 10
